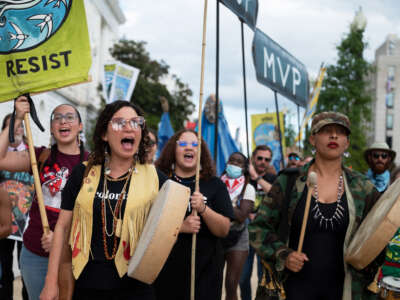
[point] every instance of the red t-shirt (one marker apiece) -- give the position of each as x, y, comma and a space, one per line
52, 179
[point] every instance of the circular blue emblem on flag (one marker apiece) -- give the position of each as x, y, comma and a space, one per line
25, 24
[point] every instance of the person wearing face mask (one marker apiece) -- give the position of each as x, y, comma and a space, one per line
19, 186
379, 158
242, 194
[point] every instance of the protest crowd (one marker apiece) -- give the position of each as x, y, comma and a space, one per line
140, 213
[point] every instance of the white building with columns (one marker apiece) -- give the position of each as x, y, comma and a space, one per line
104, 18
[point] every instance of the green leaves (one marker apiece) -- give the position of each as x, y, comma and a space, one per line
150, 86
344, 90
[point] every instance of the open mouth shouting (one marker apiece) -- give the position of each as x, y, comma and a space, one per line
64, 131
188, 157
127, 143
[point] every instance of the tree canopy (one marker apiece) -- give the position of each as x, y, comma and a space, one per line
344, 90
150, 86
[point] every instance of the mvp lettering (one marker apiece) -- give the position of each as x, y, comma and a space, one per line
271, 62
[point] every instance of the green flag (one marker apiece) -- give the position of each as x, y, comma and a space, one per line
44, 45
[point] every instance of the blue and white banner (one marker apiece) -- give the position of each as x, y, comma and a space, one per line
123, 83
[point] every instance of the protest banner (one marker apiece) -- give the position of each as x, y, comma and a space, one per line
246, 10
43, 46
123, 83
108, 77
312, 104
264, 128
279, 70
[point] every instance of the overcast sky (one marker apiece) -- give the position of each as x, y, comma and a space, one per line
309, 29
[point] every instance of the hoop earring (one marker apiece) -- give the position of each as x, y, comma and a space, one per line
313, 151
107, 169
81, 138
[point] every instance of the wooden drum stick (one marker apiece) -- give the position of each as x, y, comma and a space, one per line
311, 181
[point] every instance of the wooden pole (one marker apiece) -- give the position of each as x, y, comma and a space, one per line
197, 183
38, 187
312, 180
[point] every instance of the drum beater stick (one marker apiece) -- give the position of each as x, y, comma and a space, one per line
197, 186
312, 181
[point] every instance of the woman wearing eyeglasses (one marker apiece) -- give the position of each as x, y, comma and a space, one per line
66, 151
105, 203
178, 160
341, 198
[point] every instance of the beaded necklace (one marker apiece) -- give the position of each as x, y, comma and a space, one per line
339, 210
116, 213
183, 180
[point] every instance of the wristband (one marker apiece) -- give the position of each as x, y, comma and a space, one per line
204, 209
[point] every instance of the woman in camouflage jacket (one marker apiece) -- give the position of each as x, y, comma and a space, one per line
341, 200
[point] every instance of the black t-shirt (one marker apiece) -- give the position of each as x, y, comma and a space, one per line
323, 245
100, 273
174, 279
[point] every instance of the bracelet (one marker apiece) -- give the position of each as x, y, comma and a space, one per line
205, 207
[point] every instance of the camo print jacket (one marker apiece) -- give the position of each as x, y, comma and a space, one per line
361, 196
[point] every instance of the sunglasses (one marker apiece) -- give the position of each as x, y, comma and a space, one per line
294, 157
377, 155
184, 144
266, 159
120, 123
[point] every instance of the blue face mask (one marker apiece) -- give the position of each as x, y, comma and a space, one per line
233, 171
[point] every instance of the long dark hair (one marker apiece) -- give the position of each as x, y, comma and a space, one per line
167, 158
54, 149
4, 125
100, 146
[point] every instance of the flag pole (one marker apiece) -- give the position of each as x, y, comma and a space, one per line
35, 172
197, 183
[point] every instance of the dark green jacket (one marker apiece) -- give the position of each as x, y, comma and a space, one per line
361, 196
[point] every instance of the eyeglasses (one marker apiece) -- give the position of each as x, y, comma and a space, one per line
376, 155
184, 144
68, 117
294, 157
120, 123
152, 142
260, 158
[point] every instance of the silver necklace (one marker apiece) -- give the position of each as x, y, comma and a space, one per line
339, 211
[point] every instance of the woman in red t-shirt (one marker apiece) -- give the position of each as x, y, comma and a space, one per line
66, 151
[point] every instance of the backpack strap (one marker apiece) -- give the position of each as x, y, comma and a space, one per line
44, 155
291, 176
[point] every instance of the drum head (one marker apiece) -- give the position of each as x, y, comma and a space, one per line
376, 230
391, 283
160, 232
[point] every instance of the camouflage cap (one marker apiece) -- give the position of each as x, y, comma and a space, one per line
329, 117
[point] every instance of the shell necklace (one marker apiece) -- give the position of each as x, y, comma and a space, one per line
339, 211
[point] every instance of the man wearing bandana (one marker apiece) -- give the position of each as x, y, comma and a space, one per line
379, 158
